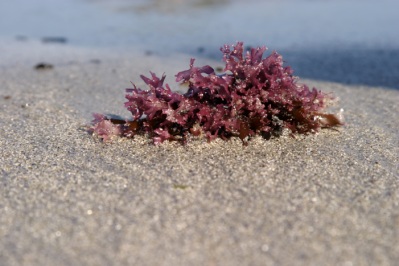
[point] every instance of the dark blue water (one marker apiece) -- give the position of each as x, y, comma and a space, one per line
346, 41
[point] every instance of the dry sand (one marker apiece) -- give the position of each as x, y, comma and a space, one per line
68, 199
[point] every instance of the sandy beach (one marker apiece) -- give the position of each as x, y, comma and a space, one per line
66, 198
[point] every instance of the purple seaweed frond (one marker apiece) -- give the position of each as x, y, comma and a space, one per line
255, 95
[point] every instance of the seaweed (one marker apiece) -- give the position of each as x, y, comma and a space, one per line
254, 96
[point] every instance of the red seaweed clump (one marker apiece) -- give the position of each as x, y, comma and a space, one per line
255, 95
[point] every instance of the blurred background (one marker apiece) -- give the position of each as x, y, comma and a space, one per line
345, 41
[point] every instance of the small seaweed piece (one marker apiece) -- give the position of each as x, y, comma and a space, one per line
43, 66
254, 95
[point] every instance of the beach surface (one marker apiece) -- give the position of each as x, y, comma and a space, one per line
69, 199
66, 198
